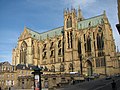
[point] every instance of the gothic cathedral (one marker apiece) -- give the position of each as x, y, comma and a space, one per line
81, 45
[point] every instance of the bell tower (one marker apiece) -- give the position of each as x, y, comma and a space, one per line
70, 25
69, 18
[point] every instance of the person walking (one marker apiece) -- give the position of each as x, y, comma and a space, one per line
113, 85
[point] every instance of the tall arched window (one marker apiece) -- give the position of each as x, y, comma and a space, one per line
68, 39
61, 68
79, 47
89, 44
23, 52
100, 41
53, 68
69, 22
71, 67
71, 39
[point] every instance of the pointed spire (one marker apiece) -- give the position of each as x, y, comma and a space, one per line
105, 17
80, 17
104, 12
117, 49
65, 11
68, 10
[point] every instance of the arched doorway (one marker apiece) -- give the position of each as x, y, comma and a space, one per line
88, 68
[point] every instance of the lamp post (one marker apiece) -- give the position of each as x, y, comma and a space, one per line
37, 78
118, 27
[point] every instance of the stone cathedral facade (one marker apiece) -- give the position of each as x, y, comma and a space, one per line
80, 45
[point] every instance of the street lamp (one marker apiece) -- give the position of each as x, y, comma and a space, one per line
118, 27
37, 78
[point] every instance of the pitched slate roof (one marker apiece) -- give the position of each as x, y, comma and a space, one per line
90, 22
5, 63
44, 35
25, 67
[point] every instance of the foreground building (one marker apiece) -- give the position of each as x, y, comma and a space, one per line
81, 45
85, 46
8, 75
17, 77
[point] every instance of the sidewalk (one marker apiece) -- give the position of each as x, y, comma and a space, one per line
27, 89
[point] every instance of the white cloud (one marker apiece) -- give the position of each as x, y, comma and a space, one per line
82, 3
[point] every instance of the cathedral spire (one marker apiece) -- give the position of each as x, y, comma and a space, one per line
80, 17
117, 49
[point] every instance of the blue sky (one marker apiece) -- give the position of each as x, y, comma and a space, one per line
43, 15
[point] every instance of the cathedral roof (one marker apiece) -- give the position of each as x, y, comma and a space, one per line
44, 35
90, 22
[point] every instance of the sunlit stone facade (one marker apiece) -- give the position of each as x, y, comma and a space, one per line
82, 45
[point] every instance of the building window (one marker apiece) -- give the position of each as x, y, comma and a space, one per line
51, 45
59, 43
45, 69
71, 39
88, 44
44, 55
8, 76
52, 53
8, 68
12, 76
79, 47
61, 68
97, 63
69, 22
71, 67
68, 39
84, 37
44, 47
52, 68
12, 68
100, 41
59, 52
23, 52
102, 61
12, 82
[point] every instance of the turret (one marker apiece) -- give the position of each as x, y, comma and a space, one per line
80, 17
69, 18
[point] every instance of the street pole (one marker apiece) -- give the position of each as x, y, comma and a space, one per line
37, 78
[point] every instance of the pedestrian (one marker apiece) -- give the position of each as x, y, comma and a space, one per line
113, 85
9, 88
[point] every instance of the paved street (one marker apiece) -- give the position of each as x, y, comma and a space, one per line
100, 84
